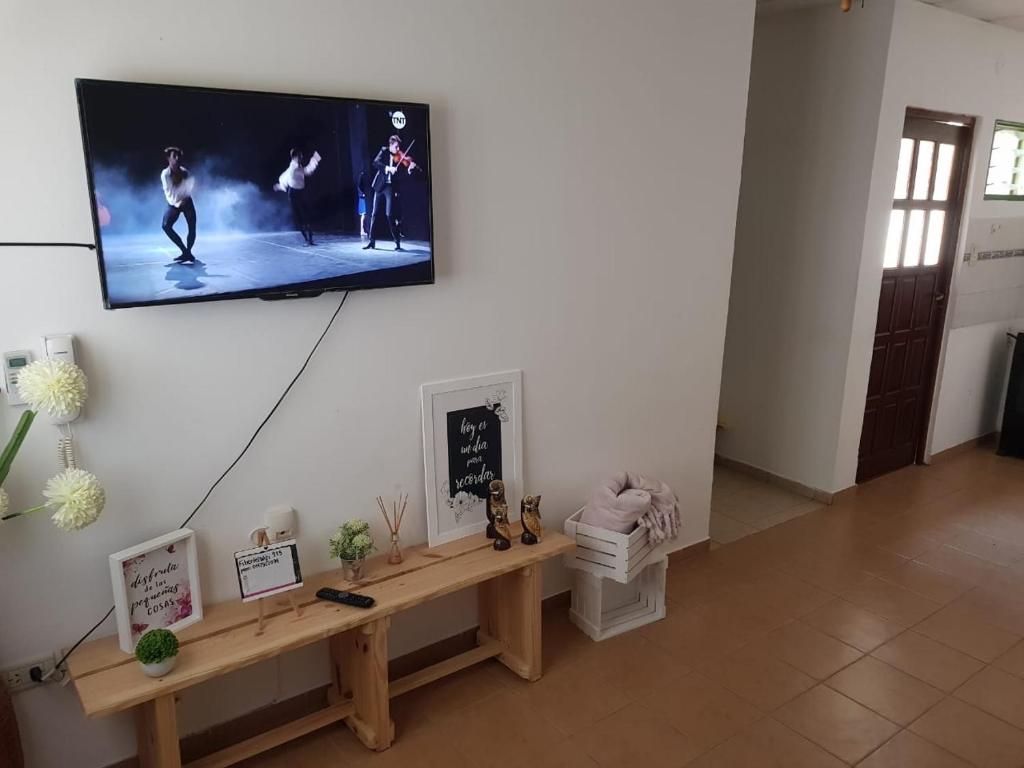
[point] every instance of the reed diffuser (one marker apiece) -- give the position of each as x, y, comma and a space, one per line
394, 523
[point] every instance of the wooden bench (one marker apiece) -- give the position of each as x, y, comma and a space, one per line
509, 589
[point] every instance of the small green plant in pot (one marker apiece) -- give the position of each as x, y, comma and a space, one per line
157, 652
351, 544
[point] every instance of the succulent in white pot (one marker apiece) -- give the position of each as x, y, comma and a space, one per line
157, 652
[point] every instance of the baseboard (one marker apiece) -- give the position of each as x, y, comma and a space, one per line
816, 494
250, 724
992, 438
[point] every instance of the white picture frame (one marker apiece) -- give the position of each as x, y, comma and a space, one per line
456, 495
164, 570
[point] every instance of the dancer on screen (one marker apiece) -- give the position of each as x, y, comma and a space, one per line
293, 182
388, 162
178, 184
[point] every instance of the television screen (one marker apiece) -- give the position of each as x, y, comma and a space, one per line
200, 194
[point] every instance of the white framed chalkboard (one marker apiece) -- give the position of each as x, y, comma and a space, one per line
472, 434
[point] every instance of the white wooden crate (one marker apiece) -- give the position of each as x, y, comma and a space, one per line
603, 608
609, 554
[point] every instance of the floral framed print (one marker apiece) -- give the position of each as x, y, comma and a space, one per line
472, 434
156, 586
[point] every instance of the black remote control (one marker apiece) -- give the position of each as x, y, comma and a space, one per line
345, 598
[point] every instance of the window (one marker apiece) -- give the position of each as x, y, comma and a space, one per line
1006, 166
917, 224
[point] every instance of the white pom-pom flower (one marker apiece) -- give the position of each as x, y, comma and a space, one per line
77, 498
5, 502
55, 386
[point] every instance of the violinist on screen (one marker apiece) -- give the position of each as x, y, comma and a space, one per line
391, 163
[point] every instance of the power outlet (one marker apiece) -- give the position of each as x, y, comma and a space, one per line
19, 678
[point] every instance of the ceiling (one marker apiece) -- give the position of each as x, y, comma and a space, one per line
1009, 13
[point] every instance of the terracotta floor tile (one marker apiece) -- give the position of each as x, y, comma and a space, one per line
504, 730
891, 693
631, 663
572, 698
928, 582
961, 564
778, 597
987, 548
566, 754
1013, 660
928, 660
701, 708
997, 692
890, 601
767, 744
838, 724
853, 625
809, 650
696, 636
959, 628
975, 736
761, 679
907, 750
423, 748
636, 735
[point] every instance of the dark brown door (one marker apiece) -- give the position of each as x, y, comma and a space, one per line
918, 263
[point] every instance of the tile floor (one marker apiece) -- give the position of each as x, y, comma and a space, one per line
741, 505
886, 631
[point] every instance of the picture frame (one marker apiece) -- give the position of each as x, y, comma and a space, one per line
459, 460
156, 586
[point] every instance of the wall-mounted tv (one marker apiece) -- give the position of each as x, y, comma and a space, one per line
200, 194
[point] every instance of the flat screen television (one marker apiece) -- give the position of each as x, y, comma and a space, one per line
200, 194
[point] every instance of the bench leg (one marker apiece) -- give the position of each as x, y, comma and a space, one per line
359, 661
156, 727
509, 607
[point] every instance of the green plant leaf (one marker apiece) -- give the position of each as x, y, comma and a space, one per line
14, 444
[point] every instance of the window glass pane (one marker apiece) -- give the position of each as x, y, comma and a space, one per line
925, 151
936, 226
1006, 165
943, 172
915, 233
894, 240
903, 169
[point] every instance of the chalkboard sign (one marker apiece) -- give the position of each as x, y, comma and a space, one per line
474, 450
472, 434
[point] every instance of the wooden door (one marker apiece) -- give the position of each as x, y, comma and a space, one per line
918, 263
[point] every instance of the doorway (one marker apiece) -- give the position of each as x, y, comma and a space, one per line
918, 261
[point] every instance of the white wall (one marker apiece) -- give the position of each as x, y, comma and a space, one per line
815, 91
942, 61
556, 253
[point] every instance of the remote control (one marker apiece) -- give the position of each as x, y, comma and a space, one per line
345, 598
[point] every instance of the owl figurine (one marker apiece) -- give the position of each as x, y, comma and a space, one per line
530, 517
495, 504
502, 530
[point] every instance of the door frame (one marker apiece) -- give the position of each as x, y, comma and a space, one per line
947, 266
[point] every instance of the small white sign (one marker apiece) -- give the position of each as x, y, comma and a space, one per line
266, 571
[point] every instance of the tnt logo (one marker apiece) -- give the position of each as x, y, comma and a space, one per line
398, 120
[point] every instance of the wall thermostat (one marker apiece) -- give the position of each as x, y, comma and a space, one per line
13, 363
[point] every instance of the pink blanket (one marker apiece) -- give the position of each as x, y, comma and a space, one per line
628, 500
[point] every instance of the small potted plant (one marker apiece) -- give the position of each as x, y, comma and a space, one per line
157, 652
351, 544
